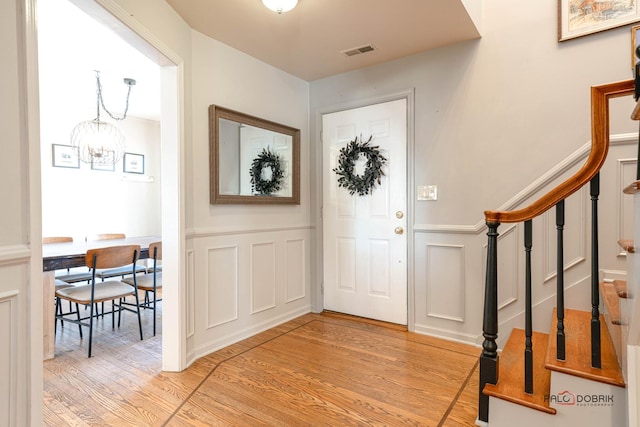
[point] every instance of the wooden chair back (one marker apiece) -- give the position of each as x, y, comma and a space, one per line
112, 256
107, 236
57, 239
155, 248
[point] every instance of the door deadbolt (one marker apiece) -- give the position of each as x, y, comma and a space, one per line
399, 214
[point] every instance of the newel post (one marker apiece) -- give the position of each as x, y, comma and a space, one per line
489, 356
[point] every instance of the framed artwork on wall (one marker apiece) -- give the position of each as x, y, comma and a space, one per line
635, 41
64, 157
133, 163
577, 18
109, 167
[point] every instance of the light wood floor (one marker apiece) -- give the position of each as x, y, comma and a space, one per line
317, 370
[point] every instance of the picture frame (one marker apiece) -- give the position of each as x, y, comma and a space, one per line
63, 156
635, 41
133, 163
108, 167
577, 18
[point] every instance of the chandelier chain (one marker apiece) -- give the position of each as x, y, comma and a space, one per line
100, 101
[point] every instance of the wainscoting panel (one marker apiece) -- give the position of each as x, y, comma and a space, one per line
222, 266
296, 269
263, 279
575, 234
432, 300
446, 282
189, 292
508, 249
379, 268
8, 356
246, 282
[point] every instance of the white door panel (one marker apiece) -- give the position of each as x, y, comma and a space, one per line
365, 259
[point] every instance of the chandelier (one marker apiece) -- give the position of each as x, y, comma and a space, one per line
280, 6
98, 142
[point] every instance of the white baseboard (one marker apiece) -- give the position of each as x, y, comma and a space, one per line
247, 332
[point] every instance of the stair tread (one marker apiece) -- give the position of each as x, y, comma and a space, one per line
628, 245
510, 385
621, 288
611, 301
578, 349
634, 187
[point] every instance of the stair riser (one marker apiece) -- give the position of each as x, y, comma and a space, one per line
610, 408
503, 414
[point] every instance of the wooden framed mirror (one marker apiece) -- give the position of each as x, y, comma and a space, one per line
252, 160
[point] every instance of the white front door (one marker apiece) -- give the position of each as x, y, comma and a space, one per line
364, 237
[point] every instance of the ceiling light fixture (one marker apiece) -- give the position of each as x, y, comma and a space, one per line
280, 6
98, 142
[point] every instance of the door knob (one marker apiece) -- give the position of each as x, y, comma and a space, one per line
399, 230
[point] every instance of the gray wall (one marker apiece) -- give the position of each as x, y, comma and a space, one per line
491, 117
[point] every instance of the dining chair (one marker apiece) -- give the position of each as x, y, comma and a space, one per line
58, 285
66, 280
69, 277
111, 290
114, 272
150, 283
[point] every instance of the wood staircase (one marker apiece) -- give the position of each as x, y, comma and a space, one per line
571, 375
509, 386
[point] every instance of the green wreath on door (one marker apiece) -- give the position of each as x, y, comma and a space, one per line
361, 184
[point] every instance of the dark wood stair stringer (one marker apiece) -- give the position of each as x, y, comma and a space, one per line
510, 385
578, 355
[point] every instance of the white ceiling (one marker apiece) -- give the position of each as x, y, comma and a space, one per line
307, 42
71, 45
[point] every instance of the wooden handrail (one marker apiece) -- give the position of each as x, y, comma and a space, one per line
600, 96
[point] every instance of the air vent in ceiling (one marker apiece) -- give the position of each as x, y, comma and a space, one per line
358, 50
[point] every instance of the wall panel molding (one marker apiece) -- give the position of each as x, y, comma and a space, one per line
222, 290
446, 286
8, 357
263, 276
200, 233
190, 292
295, 269
575, 232
15, 254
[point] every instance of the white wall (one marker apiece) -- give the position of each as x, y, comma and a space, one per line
491, 117
20, 262
80, 202
251, 263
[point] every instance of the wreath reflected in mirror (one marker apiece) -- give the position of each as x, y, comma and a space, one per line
365, 183
266, 173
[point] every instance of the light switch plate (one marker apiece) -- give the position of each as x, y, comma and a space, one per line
427, 192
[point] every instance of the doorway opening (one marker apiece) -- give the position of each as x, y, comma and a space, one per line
153, 197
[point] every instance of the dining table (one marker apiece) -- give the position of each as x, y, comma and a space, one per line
60, 256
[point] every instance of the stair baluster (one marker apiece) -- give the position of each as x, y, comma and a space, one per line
596, 359
489, 367
528, 328
560, 337
489, 356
